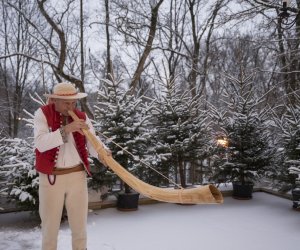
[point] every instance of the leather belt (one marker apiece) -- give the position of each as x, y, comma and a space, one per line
60, 171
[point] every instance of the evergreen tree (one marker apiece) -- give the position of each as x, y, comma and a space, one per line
244, 122
288, 173
17, 169
124, 119
182, 133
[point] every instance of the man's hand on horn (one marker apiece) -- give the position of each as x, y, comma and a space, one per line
76, 126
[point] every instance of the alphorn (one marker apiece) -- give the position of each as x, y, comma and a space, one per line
207, 194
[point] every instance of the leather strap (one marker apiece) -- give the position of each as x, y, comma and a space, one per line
60, 171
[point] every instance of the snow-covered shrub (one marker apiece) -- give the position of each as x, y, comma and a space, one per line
18, 177
18, 172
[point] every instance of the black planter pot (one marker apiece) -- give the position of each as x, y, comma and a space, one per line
296, 198
128, 201
242, 191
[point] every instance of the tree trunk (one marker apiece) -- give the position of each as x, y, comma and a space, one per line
109, 68
182, 173
82, 71
140, 67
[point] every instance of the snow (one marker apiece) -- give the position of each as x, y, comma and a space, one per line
265, 222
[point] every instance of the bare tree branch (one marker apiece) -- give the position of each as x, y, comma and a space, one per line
139, 70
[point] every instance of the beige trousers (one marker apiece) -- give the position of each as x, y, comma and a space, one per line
71, 190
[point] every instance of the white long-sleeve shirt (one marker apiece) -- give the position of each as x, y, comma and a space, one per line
45, 139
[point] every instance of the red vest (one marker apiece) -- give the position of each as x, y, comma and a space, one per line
45, 161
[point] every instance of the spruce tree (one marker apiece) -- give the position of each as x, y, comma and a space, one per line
17, 169
181, 135
244, 122
287, 176
123, 118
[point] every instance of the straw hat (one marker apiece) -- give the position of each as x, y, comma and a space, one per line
65, 90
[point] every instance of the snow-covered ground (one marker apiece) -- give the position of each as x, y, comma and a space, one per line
263, 223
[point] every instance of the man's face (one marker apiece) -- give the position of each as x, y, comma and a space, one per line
64, 105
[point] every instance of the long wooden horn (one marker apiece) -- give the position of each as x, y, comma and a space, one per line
207, 194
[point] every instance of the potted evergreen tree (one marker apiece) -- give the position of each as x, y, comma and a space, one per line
181, 136
123, 119
244, 124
